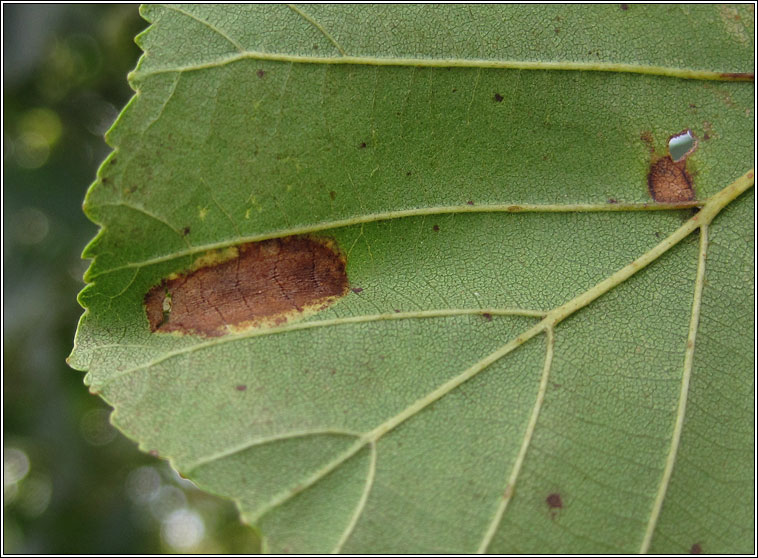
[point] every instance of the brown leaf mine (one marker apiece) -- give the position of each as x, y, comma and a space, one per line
669, 182
256, 284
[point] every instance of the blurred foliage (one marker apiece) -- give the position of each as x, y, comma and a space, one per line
72, 484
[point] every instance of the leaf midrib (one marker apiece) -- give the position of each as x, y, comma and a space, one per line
380, 216
481, 63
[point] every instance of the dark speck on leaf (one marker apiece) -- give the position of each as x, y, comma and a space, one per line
153, 452
554, 501
436, 228
363, 145
487, 316
455, 89
185, 231
397, 311
469, 202
408, 173
696, 549
241, 387
624, 7
260, 73
498, 97
612, 200
332, 194
357, 290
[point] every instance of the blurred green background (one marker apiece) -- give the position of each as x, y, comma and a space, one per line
71, 483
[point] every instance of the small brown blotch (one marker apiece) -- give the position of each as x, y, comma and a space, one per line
154, 453
436, 228
487, 316
260, 73
612, 200
363, 145
357, 290
554, 501
707, 130
315, 47
408, 173
105, 180
470, 202
498, 98
696, 549
669, 182
557, 30
647, 137
455, 89
258, 284
332, 194
624, 7
397, 311
185, 231
241, 387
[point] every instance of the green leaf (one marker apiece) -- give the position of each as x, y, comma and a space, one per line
534, 356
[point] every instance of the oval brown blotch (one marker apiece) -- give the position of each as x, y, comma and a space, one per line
669, 182
262, 284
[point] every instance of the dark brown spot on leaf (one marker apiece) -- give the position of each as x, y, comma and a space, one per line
332, 194
185, 231
612, 200
357, 290
487, 316
498, 97
624, 7
696, 549
436, 228
554, 501
408, 173
241, 387
469, 202
363, 145
256, 284
669, 182
260, 73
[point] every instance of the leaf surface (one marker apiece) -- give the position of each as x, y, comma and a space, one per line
533, 357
